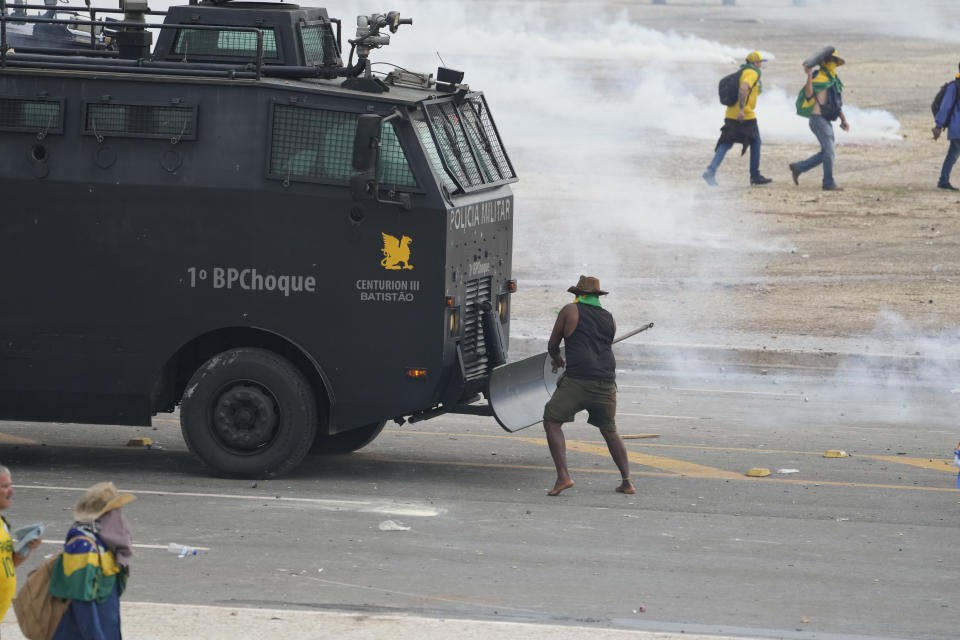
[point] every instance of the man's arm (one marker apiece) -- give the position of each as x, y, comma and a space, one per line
742, 98
33, 544
565, 325
808, 88
949, 98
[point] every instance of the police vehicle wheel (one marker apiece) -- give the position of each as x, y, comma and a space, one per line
248, 413
348, 441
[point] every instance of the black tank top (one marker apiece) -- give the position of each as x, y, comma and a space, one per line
588, 348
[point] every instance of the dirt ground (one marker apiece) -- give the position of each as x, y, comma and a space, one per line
875, 266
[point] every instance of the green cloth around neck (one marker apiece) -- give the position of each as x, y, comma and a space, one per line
834, 80
589, 299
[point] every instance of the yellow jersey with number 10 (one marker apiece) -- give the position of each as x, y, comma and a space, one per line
8, 575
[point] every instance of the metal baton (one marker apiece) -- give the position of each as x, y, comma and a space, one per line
633, 333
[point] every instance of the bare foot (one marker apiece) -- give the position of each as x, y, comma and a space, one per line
560, 486
626, 487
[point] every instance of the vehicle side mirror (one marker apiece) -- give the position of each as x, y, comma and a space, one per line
366, 143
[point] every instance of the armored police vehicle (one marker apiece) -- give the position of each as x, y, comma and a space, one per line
243, 220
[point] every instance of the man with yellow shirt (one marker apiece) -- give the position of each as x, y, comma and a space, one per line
740, 123
9, 559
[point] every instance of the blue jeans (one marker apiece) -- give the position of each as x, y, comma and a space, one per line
722, 149
952, 154
823, 129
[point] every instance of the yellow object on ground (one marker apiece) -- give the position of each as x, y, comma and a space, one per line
139, 442
836, 453
758, 472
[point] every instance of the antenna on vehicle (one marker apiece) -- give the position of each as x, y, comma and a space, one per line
448, 79
369, 38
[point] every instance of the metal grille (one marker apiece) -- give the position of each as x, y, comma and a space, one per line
392, 167
474, 344
314, 144
34, 116
319, 44
468, 145
453, 144
485, 140
433, 155
140, 121
229, 44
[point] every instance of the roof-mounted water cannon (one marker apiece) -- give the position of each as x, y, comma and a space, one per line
369, 38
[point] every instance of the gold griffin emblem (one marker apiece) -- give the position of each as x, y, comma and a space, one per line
395, 252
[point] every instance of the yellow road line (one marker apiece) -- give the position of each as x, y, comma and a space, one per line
6, 438
925, 463
689, 469
730, 476
670, 465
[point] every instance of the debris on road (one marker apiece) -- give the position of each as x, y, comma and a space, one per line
758, 472
836, 453
391, 525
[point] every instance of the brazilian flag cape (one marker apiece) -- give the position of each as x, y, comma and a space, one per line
821, 82
86, 570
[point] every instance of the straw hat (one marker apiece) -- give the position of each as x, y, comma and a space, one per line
587, 286
99, 499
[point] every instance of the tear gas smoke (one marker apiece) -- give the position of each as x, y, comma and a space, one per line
594, 109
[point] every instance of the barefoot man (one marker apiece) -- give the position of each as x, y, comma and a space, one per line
589, 381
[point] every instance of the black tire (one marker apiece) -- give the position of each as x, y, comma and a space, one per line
348, 441
248, 413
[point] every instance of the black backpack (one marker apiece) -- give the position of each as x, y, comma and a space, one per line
938, 100
729, 88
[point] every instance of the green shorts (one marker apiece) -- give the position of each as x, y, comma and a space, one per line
598, 398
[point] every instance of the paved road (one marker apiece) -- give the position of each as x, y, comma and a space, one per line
849, 547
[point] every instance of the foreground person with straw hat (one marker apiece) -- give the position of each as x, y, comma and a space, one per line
589, 381
93, 570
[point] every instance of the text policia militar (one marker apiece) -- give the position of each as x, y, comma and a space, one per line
481, 213
250, 280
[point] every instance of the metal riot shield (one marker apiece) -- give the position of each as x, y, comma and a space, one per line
517, 391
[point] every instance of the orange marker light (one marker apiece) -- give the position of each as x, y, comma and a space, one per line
416, 374
512, 286
450, 301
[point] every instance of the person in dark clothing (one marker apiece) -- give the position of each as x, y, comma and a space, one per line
948, 119
589, 381
740, 123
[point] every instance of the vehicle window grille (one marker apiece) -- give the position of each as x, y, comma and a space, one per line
225, 43
316, 144
484, 137
312, 143
453, 144
393, 168
474, 344
468, 145
139, 121
34, 116
433, 155
319, 44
